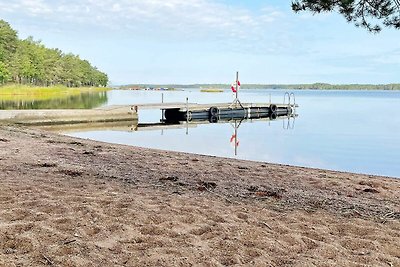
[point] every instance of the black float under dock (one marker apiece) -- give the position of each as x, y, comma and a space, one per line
224, 111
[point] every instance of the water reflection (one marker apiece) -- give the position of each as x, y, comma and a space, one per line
82, 101
121, 126
288, 122
231, 135
338, 130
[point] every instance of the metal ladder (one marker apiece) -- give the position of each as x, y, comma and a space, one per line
290, 96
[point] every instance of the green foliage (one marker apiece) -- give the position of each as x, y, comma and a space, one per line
30, 62
8, 41
8, 46
38, 93
360, 12
4, 74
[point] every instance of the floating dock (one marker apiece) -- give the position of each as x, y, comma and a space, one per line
223, 111
226, 111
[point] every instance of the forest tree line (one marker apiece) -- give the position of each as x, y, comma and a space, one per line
29, 62
314, 86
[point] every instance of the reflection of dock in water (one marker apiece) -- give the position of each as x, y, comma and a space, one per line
124, 126
134, 126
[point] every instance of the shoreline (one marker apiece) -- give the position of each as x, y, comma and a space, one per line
73, 201
296, 87
53, 129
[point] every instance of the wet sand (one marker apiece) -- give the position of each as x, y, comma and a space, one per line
72, 202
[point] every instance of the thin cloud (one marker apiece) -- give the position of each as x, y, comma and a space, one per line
190, 17
35, 7
388, 58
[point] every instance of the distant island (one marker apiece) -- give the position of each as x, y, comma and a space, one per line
314, 86
28, 62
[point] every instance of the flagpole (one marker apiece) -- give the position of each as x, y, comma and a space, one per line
237, 81
236, 88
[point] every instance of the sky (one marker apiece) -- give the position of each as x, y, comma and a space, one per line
207, 41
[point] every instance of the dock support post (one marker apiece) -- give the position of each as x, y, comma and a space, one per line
187, 108
187, 115
162, 110
237, 79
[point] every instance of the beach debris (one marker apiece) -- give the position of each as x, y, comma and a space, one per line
370, 190
48, 260
201, 188
69, 241
71, 173
47, 165
390, 216
169, 178
265, 224
76, 143
4, 140
207, 185
253, 188
362, 253
88, 153
10, 251
261, 193
268, 193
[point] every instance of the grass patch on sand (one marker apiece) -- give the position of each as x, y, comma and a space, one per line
26, 92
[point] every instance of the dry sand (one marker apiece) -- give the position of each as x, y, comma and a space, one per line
73, 202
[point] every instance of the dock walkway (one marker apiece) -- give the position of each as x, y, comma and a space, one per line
69, 116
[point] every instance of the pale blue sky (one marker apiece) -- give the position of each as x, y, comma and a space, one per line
206, 41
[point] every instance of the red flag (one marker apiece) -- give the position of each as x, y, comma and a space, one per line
233, 88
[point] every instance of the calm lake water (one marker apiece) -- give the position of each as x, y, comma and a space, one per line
356, 131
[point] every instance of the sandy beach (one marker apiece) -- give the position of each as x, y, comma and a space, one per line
72, 202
